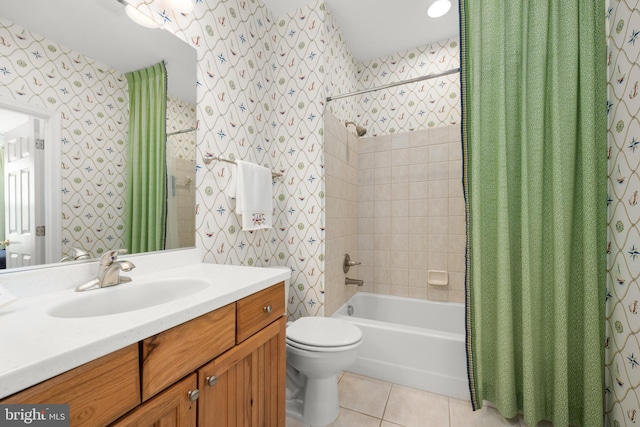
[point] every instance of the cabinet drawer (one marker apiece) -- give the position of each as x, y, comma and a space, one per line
176, 352
258, 310
97, 392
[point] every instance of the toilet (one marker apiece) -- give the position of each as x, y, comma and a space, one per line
318, 348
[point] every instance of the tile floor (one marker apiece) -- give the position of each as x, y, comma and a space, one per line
367, 402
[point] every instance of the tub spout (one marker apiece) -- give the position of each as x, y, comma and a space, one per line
358, 282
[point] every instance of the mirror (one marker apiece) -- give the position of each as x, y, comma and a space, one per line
67, 62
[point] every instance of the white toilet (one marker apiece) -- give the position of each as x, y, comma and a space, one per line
318, 348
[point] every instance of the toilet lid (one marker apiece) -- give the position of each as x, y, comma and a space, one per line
323, 332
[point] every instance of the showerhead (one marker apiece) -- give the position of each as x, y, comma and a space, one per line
360, 130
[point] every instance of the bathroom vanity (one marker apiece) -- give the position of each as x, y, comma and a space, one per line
213, 358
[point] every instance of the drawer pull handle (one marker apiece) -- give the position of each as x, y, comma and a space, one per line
193, 395
211, 380
267, 309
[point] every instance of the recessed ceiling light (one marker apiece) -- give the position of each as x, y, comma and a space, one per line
438, 8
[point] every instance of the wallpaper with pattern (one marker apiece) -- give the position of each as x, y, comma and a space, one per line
181, 116
93, 102
412, 106
622, 362
260, 89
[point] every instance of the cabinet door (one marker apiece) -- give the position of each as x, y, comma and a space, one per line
249, 386
171, 408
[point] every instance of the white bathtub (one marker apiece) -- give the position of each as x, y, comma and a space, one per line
411, 342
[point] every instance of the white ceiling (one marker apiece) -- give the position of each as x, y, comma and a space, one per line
377, 28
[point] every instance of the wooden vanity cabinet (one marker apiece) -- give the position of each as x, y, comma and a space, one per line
246, 385
152, 383
97, 392
176, 352
172, 407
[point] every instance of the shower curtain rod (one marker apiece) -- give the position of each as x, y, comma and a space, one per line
404, 82
181, 131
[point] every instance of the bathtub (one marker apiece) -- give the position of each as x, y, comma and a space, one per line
411, 342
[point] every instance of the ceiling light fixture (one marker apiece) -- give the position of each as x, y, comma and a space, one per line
139, 18
438, 8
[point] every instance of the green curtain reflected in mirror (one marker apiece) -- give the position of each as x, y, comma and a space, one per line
146, 177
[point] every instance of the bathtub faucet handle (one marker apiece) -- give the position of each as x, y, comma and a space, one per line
348, 263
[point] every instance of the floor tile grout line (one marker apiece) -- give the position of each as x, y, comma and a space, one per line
386, 403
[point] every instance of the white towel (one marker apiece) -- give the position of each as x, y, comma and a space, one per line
254, 195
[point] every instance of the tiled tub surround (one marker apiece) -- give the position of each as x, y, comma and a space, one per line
411, 213
341, 205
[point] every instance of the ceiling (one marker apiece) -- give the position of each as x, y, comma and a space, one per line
377, 28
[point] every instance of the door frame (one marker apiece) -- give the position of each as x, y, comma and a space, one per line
52, 174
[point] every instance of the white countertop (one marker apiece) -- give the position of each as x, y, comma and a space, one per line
35, 346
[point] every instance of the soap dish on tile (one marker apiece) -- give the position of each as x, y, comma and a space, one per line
438, 277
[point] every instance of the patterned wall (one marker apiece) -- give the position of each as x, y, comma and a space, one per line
181, 116
93, 102
342, 72
261, 90
404, 108
622, 368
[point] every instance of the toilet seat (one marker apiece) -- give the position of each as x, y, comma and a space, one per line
323, 334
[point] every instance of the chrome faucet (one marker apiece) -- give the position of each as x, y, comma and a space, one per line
358, 282
109, 271
76, 254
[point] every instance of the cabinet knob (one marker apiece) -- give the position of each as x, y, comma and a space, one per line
211, 380
267, 309
193, 395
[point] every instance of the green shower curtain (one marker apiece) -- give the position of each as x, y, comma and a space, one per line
146, 177
535, 176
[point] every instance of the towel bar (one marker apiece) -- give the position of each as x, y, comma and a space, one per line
208, 158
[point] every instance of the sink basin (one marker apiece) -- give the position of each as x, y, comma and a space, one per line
128, 297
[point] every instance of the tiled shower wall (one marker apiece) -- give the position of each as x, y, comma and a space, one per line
411, 213
341, 205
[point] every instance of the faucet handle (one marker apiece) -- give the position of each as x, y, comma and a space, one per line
110, 256
348, 263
